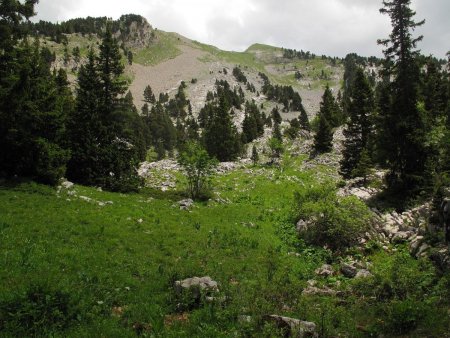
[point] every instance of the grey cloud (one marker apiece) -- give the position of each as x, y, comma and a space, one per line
332, 27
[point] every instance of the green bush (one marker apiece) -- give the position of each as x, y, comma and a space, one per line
332, 221
404, 316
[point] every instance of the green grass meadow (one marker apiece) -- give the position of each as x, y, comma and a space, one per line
73, 268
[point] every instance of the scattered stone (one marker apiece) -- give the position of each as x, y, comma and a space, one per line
67, 184
423, 250
363, 273
415, 245
301, 225
85, 198
348, 270
186, 204
245, 319
296, 254
294, 327
325, 270
204, 283
313, 290
441, 258
191, 291
401, 236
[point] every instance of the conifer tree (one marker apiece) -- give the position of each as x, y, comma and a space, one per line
405, 125
33, 103
330, 109
220, 135
323, 140
255, 155
249, 128
84, 126
149, 97
106, 133
110, 69
363, 167
359, 126
304, 120
276, 117
276, 132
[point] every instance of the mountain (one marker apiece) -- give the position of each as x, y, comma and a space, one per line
163, 59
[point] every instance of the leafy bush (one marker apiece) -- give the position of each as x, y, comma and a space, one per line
37, 312
332, 221
198, 167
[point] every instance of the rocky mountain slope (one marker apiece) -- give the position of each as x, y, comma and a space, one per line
162, 60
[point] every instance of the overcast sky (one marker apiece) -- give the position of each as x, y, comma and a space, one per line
331, 27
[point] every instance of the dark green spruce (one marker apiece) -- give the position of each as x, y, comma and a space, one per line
359, 125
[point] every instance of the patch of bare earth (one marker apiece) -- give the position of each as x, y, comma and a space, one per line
166, 76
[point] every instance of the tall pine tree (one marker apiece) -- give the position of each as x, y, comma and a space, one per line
107, 135
84, 126
405, 125
359, 126
323, 140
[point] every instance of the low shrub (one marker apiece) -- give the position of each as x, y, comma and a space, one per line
330, 220
38, 311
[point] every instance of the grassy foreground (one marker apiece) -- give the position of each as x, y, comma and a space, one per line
73, 267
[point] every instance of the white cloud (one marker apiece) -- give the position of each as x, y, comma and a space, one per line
332, 27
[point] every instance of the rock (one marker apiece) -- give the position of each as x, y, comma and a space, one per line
85, 198
301, 225
296, 254
362, 194
244, 319
313, 290
401, 236
441, 258
363, 273
348, 270
204, 283
325, 270
422, 250
415, 245
193, 290
186, 204
67, 184
294, 327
